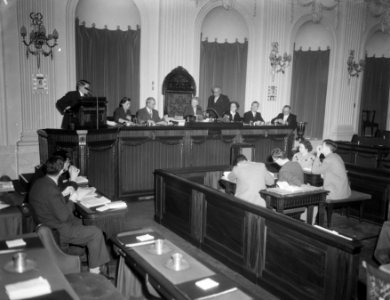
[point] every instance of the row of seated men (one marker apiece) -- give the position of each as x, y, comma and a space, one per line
218, 106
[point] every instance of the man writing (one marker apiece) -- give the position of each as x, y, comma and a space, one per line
286, 117
148, 115
251, 177
54, 211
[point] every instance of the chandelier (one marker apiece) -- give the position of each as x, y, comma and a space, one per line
39, 43
354, 68
278, 63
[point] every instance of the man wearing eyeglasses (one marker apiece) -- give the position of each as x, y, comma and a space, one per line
69, 104
218, 102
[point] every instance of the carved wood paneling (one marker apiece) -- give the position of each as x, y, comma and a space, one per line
138, 160
208, 152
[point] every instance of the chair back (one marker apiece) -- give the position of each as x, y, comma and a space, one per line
67, 263
378, 284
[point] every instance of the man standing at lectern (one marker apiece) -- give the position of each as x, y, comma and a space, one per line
218, 102
69, 103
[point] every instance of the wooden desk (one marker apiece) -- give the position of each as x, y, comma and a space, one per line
291, 259
310, 199
120, 161
110, 222
46, 267
170, 283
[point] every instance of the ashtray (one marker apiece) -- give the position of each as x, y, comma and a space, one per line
158, 250
28, 265
177, 263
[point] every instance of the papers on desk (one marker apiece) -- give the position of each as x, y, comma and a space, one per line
2, 205
133, 240
28, 289
6, 186
81, 180
112, 206
15, 243
85, 192
94, 201
285, 189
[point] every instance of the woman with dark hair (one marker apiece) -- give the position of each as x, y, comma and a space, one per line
290, 171
122, 113
332, 170
233, 115
304, 157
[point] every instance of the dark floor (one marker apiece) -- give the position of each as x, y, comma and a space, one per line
141, 215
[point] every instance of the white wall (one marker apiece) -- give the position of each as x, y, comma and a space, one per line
313, 36
122, 13
224, 25
378, 45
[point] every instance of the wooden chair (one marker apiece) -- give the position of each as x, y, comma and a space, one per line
378, 283
355, 198
368, 122
87, 286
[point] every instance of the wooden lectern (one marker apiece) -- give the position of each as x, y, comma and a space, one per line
92, 113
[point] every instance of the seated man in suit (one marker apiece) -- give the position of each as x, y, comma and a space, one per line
148, 115
232, 115
286, 117
253, 115
194, 109
250, 177
68, 176
332, 170
290, 171
69, 103
54, 211
218, 102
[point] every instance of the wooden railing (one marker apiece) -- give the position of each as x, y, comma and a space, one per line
291, 259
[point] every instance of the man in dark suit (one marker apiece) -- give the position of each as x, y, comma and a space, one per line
148, 115
286, 117
69, 104
253, 115
218, 102
194, 109
54, 211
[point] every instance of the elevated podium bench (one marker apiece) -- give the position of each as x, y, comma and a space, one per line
355, 198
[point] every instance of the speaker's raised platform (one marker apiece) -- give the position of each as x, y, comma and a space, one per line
120, 161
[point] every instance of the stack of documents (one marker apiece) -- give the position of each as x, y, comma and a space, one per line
6, 186
85, 192
95, 201
28, 289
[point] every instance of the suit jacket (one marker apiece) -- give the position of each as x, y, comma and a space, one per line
189, 111
119, 113
248, 117
292, 120
70, 99
237, 117
51, 208
292, 173
222, 104
143, 116
332, 170
251, 177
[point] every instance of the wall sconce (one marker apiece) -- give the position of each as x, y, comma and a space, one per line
354, 68
39, 43
278, 63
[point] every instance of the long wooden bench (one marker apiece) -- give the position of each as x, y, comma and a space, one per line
355, 198
289, 258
